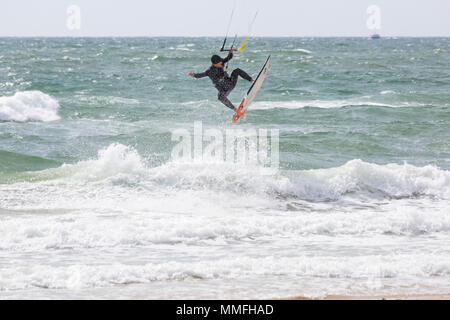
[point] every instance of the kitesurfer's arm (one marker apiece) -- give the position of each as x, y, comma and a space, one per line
199, 75
229, 57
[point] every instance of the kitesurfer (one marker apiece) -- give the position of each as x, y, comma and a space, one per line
220, 78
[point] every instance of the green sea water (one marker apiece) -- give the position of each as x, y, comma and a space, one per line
90, 198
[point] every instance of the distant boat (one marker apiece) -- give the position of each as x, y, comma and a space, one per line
375, 36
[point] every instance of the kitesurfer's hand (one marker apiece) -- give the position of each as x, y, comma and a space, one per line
253, 80
190, 74
231, 50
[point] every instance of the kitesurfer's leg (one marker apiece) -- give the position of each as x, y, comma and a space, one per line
223, 98
239, 72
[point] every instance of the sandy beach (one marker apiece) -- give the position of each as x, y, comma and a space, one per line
381, 297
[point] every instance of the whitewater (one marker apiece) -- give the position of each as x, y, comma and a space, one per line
92, 206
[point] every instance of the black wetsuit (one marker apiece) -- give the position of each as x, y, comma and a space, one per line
222, 81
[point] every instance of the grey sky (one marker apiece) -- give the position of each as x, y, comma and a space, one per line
210, 18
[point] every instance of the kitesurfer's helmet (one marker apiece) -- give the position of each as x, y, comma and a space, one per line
216, 59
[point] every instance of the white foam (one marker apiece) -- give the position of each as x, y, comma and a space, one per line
368, 179
302, 50
114, 160
120, 183
356, 178
387, 92
67, 228
122, 218
29, 106
80, 276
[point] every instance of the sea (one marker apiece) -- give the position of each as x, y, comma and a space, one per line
94, 204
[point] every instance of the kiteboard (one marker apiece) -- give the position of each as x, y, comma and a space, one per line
251, 93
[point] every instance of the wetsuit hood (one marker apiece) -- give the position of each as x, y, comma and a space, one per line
216, 59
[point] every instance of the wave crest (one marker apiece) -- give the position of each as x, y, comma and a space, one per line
29, 106
355, 178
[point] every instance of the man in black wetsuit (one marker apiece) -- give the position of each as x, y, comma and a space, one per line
221, 80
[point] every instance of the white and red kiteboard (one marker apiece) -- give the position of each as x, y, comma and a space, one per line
251, 93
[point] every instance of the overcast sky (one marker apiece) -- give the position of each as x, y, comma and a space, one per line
210, 18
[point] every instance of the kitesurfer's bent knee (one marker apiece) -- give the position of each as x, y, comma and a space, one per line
223, 98
239, 72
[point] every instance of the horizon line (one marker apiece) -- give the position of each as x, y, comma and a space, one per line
173, 36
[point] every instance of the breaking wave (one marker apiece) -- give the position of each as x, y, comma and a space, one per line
29, 106
354, 178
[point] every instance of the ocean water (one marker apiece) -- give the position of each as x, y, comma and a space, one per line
92, 205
